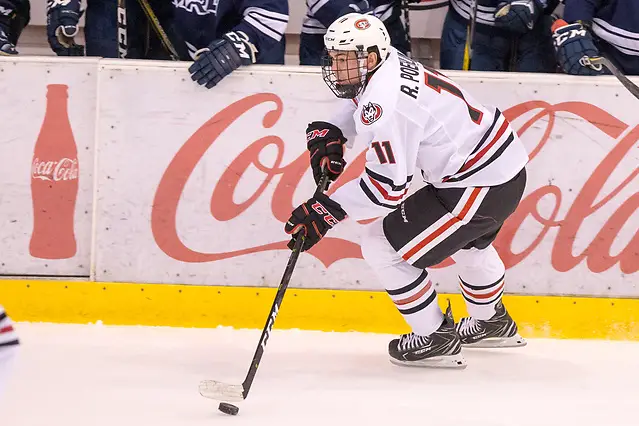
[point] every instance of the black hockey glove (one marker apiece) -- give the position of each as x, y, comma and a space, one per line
313, 218
518, 16
221, 58
6, 47
325, 142
8, 17
62, 26
574, 47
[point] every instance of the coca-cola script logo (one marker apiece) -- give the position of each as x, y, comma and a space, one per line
64, 169
564, 256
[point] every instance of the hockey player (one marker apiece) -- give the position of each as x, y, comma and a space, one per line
101, 29
8, 336
320, 14
510, 35
615, 25
221, 35
415, 118
63, 18
8, 344
14, 16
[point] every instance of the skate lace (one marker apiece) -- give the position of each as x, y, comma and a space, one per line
468, 326
412, 340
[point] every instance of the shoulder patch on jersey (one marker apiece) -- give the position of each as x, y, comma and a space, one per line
371, 112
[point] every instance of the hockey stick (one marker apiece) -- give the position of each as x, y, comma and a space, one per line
123, 44
406, 8
514, 48
468, 48
155, 23
229, 392
632, 88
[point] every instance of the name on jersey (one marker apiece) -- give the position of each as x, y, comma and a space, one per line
409, 70
200, 7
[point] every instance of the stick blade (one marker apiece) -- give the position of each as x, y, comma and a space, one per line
219, 391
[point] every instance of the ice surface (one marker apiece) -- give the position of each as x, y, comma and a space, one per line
91, 375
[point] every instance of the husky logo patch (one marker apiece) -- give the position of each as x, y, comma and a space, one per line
371, 113
362, 24
200, 7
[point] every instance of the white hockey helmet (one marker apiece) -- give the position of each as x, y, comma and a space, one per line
359, 33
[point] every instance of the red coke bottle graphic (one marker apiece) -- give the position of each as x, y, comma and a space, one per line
54, 181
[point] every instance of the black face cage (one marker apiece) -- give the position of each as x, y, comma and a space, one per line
345, 90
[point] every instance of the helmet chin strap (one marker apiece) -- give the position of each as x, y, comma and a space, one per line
366, 73
363, 72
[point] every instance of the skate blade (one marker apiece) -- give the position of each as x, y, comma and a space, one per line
499, 342
445, 361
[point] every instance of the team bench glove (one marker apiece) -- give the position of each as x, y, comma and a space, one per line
222, 57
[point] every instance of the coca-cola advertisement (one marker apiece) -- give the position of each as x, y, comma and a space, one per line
47, 143
54, 181
199, 195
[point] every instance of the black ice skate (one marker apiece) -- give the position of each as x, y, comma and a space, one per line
440, 349
498, 332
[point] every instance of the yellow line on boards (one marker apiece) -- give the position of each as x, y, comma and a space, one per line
306, 309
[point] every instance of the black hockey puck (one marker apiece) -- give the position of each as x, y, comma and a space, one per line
229, 409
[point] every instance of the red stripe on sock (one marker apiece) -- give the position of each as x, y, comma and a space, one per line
7, 329
415, 296
483, 296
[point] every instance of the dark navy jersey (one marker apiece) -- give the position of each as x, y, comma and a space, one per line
614, 21
322, 13
199, 22
486, 9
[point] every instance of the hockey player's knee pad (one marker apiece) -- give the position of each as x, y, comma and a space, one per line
376, 249
473, 258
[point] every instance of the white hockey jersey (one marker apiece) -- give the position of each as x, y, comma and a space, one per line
416, 118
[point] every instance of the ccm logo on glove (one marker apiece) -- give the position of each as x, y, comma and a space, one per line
328, 218
325, 142
577, 31
313, 219
316, 134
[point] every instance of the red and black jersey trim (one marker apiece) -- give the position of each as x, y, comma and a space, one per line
478, 160
495, 156
388, 181
488, 132
378, 181
372, 196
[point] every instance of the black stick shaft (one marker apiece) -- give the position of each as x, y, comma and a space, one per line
123, 43
279, 297
155, 23
406, 9
471, 32
632, 88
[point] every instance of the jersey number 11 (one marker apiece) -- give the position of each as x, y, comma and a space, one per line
384, 152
